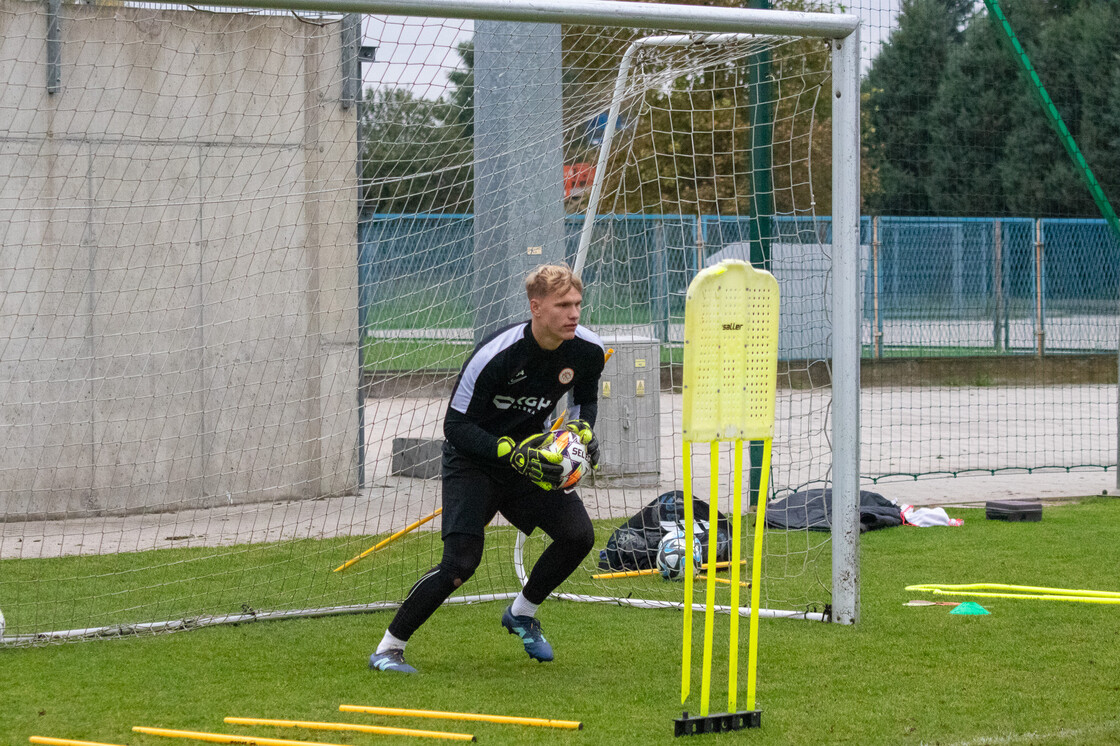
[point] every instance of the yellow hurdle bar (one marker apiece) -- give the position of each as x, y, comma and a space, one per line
386, 542
625, 574
225, 738
686, 637
479, 717
377, 729
48, 741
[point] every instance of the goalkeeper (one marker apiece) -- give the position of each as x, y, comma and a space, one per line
495, 425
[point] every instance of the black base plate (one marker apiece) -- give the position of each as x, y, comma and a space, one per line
724, 721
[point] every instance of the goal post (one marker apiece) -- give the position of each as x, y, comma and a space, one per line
846, 324
846, 308
251, 347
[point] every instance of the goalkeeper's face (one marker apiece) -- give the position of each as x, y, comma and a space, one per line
555, 317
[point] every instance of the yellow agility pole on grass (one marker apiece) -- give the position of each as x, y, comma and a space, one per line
380, 730
1023, 592
730, 386
224, 737
386, 542
625, 574
48, 741
479, 717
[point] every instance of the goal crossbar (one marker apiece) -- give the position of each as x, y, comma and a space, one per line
598, 12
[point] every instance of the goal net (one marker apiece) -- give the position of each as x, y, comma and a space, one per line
245, 254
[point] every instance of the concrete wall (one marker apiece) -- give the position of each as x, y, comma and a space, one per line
177, 262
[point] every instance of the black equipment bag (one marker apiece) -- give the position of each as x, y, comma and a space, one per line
633, 545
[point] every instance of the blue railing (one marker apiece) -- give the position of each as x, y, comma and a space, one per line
931, 285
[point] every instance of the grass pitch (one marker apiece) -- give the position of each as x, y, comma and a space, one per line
1030, 672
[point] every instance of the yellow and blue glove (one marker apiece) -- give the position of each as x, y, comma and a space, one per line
527, 458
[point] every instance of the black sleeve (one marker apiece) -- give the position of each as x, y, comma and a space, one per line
585, 394
467, 437
588, 412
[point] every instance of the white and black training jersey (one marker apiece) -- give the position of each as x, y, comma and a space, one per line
510, 386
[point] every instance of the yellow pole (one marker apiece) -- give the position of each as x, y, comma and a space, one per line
1024, 592
736, 555
48, 741
756, 571
625, 574
224, 738
386, 542
710, 596
377, 729
480, 717
686, 637
1004, 587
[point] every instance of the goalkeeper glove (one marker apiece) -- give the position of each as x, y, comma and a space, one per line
583, 431
527, 458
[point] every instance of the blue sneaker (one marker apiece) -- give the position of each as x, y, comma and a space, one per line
391, 660
528, 628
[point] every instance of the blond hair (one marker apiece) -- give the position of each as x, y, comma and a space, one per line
548, 279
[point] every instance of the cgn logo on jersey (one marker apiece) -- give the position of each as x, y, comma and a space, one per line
567, 375
530, 404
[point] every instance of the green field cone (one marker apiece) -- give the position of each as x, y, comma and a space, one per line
968, 607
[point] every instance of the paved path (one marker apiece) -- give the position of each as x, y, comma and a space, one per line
899, 436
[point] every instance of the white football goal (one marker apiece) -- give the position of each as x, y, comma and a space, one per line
245, 252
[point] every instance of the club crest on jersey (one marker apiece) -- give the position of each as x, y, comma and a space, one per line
529, 404
567, 375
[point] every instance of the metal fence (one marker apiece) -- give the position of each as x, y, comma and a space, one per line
1002, 285
932, 286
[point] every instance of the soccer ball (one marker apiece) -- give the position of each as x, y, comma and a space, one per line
574, 462
672, 555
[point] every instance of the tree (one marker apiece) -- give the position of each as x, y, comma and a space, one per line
688, 146
1073, 46
418, 154
414, 157
971, 119
991, 150
902, 87
461, 96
